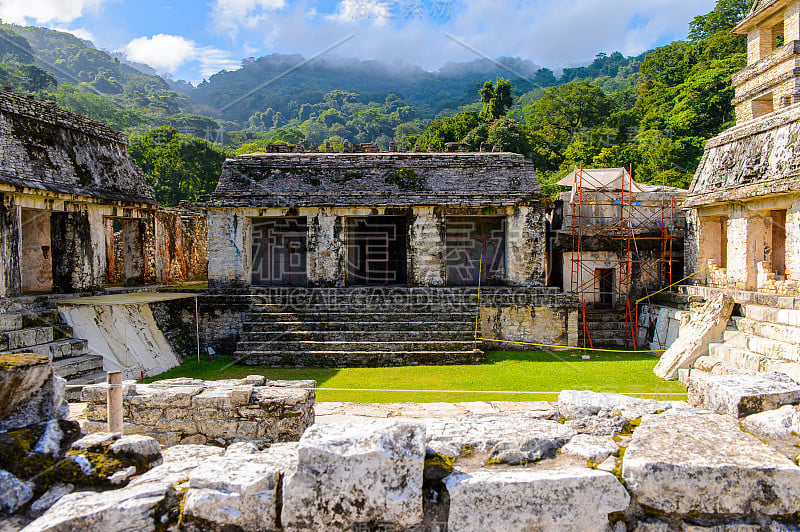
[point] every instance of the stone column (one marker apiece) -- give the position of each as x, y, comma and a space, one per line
792, 263
526, 252
693, 254
78, 258
327, 251
426, 248
760, 43
133, 256
10, 277
228, 249
791, 23
737, 249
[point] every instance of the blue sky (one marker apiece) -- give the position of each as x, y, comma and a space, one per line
192, 39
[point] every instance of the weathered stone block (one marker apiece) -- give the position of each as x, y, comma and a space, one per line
688, 462
575, 404
741, 395
356, 472
780, 423
574, 499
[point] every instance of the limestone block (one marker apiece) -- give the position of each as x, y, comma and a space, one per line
356, 472
14, 492
21, 376
589, 447
51, 496
240, 488
575, 404
44, 404
705, 327
571, 499
741, 395
780, 423
512, 438
688, 462
140, 447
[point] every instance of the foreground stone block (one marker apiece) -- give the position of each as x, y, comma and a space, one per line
510, 439
354, 473
706, 326
741, 395
782, 423
240, 489
687, 462
576, 404
574, 499
29, 391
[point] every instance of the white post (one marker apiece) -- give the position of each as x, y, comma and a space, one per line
114, 401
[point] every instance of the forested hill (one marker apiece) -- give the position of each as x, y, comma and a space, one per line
654, 111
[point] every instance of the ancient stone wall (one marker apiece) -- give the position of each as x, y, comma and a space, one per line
10, 279
191, 411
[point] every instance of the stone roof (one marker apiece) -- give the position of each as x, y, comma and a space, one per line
46, 148
761, 9
757, 158
380, 179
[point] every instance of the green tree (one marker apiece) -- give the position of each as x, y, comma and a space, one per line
724, 17
178, 167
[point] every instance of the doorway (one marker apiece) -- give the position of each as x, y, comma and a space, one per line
605, 287
475, 248
377, 252
280, 252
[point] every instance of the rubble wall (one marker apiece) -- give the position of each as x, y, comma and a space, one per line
191, 411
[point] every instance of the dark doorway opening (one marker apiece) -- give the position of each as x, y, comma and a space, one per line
605, 282
476, 248
279, 252
377, 250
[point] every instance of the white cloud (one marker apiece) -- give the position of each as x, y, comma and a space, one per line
349, 11
163, 52
231, 14
212, 60
45, 11
552, 33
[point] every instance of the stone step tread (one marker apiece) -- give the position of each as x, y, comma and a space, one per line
773, 331
37, 318
53, 349
779, 316
10, 321
362, 325
71, 368
26, 337
349, 317
357, 332
746, 359
91, 378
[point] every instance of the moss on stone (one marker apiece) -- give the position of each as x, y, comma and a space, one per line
10, 361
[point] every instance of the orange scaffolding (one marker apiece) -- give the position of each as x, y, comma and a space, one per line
607, 206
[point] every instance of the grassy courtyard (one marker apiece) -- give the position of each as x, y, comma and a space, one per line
528, 371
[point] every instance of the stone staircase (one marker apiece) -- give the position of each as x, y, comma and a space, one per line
759, 339
607, 328
43, 333
370, 327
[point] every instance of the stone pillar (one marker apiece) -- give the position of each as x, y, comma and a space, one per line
760, 43
327, 251
526, 253
737, 262
10, 276
791, 23
692, 252
78, 258
228, 249
426, 248
792, 263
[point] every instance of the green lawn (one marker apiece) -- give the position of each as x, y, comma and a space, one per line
534, 371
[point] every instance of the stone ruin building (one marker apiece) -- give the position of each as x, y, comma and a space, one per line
375, 258
76, 216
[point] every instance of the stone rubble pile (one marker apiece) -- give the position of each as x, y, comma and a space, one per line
192, 411
42, 455
590, 462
